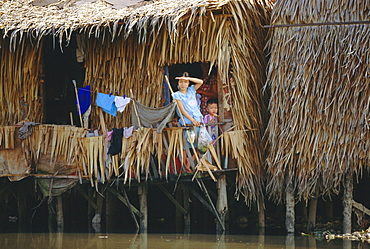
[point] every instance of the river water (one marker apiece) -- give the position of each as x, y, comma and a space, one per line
162, 241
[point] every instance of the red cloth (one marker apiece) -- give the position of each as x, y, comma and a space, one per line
207, 87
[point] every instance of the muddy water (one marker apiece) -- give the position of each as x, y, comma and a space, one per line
161, 241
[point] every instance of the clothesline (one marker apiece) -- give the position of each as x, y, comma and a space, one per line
95, 91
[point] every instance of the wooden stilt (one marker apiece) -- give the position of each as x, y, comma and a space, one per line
329, 209
90, 210
185, 192
21, 202
110, 211
261, 216
143, 200
222, 205
289, 214
60, 218
347, 202
178, 213
312, 214
51, 218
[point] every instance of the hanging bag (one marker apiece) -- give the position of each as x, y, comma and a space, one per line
203, 140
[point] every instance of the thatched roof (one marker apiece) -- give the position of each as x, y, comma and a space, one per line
320, 87
21, 16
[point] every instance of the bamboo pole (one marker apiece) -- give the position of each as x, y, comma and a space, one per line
78, 102
136, 113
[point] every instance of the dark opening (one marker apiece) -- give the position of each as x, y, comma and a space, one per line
60, 68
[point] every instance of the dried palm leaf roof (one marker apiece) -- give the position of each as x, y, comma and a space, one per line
320, 87
19, 16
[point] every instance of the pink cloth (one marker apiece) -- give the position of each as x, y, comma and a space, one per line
208, 119
109, 135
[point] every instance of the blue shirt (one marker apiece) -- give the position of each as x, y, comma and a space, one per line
106, 102
189, 101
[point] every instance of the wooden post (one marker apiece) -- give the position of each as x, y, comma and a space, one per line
347, 202
60, 219
289, 214
110, 213
312, 214
143, 200
21, 202
222, 206
185, 192
51, 217
90, 209
178, 213
329, 209
261, 216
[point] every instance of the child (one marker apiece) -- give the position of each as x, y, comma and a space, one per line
212, 109
212, 117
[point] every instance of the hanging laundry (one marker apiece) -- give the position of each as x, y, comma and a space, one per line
26, 130
84, 98
121, 103
127, 131
106, 102
116, 142
109, 135
153, 117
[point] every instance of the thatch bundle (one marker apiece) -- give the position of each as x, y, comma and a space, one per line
127, 48
320, 88
7, 134
54, 148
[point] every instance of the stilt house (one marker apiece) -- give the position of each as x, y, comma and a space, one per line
52, 50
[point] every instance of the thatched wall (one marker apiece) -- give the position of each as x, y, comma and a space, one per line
127, 49
20, 86
320, 88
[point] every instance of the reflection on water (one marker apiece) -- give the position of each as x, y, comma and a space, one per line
161, 241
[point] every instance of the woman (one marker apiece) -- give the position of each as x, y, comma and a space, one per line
186, 100
188, 108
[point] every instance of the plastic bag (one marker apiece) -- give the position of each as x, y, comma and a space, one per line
203, 139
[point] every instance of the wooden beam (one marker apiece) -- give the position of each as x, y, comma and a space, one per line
123, 200
200, 198
91, 202
131, 211
361, 207
172, 199
205, 191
